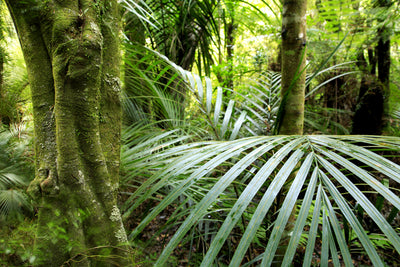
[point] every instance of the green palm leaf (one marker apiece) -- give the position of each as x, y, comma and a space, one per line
14, 173
262, 167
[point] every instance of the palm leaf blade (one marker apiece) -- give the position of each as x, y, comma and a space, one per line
286, 210
301, 219
351, 218
264, 205
245, 198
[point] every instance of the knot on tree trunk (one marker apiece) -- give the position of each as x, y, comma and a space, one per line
45, 183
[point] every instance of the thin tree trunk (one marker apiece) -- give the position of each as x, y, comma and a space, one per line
382, 54
229, 44
1, 77
71, 51
293, 88
293, 66
383, 58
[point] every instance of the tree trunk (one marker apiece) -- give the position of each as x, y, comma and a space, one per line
372, 102
293, 89
1, 78
293, 66
71, 51
383, 58
230, 27
369, 110
229, 43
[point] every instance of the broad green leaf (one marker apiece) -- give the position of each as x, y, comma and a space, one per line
200, 89
365, 176
325, 238
238, 125
334, 252
209, 92
222, 154
364, 155
227, 118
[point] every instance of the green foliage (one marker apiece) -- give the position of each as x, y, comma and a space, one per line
179, 29
206, 112
16, 170
206, 177
205, 165
14, 93
153, 90
16, 244
393, 127
221, 192
15, 105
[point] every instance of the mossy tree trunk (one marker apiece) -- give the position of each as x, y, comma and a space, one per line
382, 52
2, 61
369, 108
230, 30
383, 47
372, 102
71, 51
1, 78
293, 66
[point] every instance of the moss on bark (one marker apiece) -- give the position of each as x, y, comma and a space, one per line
72, 55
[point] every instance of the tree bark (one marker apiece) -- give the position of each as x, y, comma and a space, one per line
382, 52
293, 90
383, 58
369, 110
1, 78
230, 28
372, 102
293, 66
71, 51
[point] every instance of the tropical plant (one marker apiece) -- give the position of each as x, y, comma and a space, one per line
16, 244
16, 171
182, 29
15, 95
394, 122
237, 183
225, 191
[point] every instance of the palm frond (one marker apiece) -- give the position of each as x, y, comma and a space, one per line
396, 113
224, 124
141, 10
326, 185
12, 202
14, 173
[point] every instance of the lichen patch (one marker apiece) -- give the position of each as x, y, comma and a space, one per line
121, 235
115, 214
